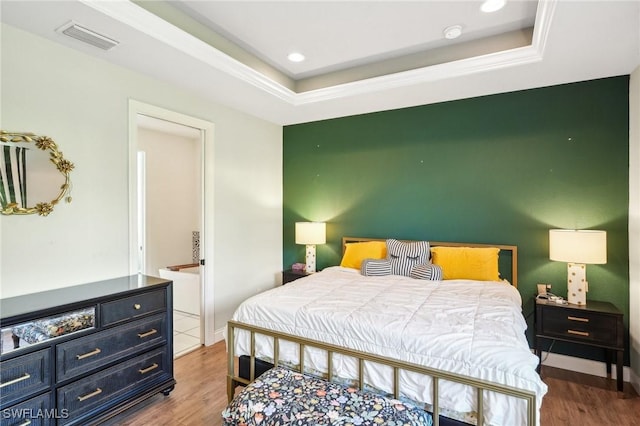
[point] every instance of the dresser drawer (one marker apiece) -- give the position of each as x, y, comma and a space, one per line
133, 306
33, 412
87, 353
109, 387
580, 325
24, 375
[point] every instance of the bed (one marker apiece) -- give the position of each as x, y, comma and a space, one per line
434, 343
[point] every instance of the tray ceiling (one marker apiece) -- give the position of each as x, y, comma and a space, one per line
361, 56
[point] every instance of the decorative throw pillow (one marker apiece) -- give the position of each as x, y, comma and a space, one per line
375, 267
355, 253
467, 263
404, 255
427, 272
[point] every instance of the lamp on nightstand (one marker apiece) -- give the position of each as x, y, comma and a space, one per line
577, 247
310, 234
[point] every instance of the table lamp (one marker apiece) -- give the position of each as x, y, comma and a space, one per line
577, 247
310, 234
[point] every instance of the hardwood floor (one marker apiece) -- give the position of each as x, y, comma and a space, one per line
200, 395
585, 400
198, 399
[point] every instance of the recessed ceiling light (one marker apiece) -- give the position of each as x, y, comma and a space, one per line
454, 31
492, 5
295, 57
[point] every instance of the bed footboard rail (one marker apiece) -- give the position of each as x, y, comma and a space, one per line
481, 386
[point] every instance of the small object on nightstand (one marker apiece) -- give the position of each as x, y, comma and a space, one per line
292, 275
542, 290
298, 267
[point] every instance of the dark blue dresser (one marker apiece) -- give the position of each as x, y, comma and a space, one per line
81, 355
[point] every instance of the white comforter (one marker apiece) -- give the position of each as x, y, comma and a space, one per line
466, 327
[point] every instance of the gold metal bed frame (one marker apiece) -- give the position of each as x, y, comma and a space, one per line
480, 385
436, 375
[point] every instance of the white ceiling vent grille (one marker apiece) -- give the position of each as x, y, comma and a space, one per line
88, 36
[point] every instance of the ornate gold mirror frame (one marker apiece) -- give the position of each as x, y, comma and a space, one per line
13, 169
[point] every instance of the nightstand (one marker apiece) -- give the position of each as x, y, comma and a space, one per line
594, 324
291, 275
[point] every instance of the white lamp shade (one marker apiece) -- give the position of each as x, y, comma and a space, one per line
311, 233
582, 246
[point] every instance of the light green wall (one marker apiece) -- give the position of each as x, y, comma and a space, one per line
497, 169
82, 102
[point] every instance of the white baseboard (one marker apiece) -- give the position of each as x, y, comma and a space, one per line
218, 335
635, 381
580, 365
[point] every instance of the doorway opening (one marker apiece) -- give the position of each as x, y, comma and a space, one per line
169, 218
169, 234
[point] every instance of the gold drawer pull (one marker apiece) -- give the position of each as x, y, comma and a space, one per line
578, 319
148, 333
88, 354
19, 379
146, 370
98, 391
579, 333
137, 306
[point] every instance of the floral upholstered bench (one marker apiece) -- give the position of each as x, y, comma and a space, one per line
284, 397
47, 328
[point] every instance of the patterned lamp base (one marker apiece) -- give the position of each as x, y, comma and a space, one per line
311, 258
577, 284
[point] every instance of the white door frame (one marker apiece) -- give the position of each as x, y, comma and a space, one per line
206, 247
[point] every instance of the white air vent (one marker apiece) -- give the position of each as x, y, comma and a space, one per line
81, 33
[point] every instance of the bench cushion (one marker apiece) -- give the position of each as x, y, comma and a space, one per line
284, 397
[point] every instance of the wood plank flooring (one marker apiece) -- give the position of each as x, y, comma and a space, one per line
200, 395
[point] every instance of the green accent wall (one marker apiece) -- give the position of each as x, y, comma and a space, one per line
495, 169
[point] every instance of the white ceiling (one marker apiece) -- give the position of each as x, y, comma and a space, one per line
336, 35
362, 56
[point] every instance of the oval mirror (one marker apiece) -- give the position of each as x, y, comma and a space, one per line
34, 175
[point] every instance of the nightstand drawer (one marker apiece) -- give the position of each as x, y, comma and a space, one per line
596, 324
90, 352
580, 325
24, 375
133, 306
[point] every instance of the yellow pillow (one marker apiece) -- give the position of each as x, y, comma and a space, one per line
355, 253
467, 263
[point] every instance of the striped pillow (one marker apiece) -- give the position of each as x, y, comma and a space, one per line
405, 255
427, 271
375, 267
